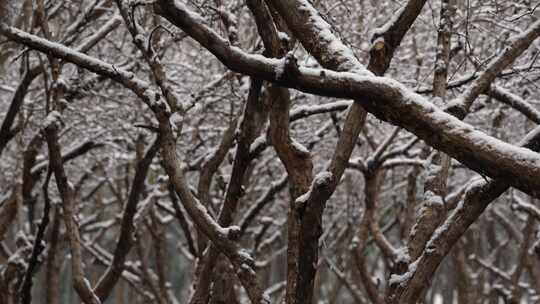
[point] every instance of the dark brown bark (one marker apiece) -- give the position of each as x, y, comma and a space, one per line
477, 199
253, 118
53, 269
127, 231
80, 283
7, 132
385, 43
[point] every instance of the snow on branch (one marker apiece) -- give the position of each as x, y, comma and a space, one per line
389, 100
514, 101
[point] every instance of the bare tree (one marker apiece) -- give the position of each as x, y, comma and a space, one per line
146, 148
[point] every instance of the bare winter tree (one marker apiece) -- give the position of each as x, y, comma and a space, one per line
269, 151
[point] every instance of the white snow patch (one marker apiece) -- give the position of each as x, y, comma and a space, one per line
246, 256
279, 69
400, 279
402, 255
54, 117
302, 199
258, 142
283, 36
335, 46
299, 147
232, 232
266, 220
433, 199
323, 178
